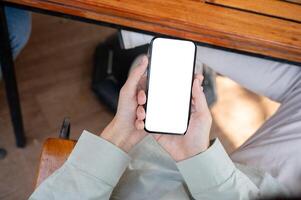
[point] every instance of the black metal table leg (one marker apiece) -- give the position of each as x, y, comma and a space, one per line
8, 72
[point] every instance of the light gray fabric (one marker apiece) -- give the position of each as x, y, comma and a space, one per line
276, 146
95, 166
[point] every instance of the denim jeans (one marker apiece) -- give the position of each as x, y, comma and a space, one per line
19, 28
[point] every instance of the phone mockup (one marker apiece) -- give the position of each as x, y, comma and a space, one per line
169, 85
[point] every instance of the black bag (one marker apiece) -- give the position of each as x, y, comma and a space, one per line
111, 67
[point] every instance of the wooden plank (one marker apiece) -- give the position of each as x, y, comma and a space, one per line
275, 8
192, 20
55, 152
294, 1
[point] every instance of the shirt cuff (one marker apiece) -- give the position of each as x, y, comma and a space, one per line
208, 169
99, 158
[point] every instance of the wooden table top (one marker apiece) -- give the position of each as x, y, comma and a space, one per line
266, 27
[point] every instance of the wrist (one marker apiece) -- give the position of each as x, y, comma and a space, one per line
204, 145
112, 135
193, 150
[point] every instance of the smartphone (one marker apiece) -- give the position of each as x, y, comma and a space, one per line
169, 85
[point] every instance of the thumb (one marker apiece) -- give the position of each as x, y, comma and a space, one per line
136, 74
198, 96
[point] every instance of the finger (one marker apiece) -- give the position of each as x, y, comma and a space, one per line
142, 83
198, 96
140, 113
136, 74
141, 97
192, 101
139, 124
192, 108
199, 76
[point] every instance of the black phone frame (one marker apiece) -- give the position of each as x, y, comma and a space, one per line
147, 84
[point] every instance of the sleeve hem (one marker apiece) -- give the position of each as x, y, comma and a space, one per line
99, 158
208, 169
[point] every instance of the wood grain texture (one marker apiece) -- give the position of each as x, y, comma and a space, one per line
192, 20
276, 8
294, 1
55, 152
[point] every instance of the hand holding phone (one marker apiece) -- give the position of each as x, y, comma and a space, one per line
122, 130
196, 140
198, 118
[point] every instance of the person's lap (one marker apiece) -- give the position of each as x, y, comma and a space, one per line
275, 147
150, 163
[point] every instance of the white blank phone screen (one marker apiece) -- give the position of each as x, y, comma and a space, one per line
169, 86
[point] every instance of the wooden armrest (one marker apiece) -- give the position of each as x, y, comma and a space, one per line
55, 152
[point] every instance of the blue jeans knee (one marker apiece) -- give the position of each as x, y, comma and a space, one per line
19, 28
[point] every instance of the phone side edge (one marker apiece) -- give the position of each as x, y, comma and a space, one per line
192, 79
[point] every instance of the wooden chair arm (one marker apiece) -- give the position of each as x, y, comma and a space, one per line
55, 152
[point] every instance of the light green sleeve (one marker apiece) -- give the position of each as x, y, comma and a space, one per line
212, 175
91, 172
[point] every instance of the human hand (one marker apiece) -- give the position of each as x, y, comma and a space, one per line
122, 130
196, 139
